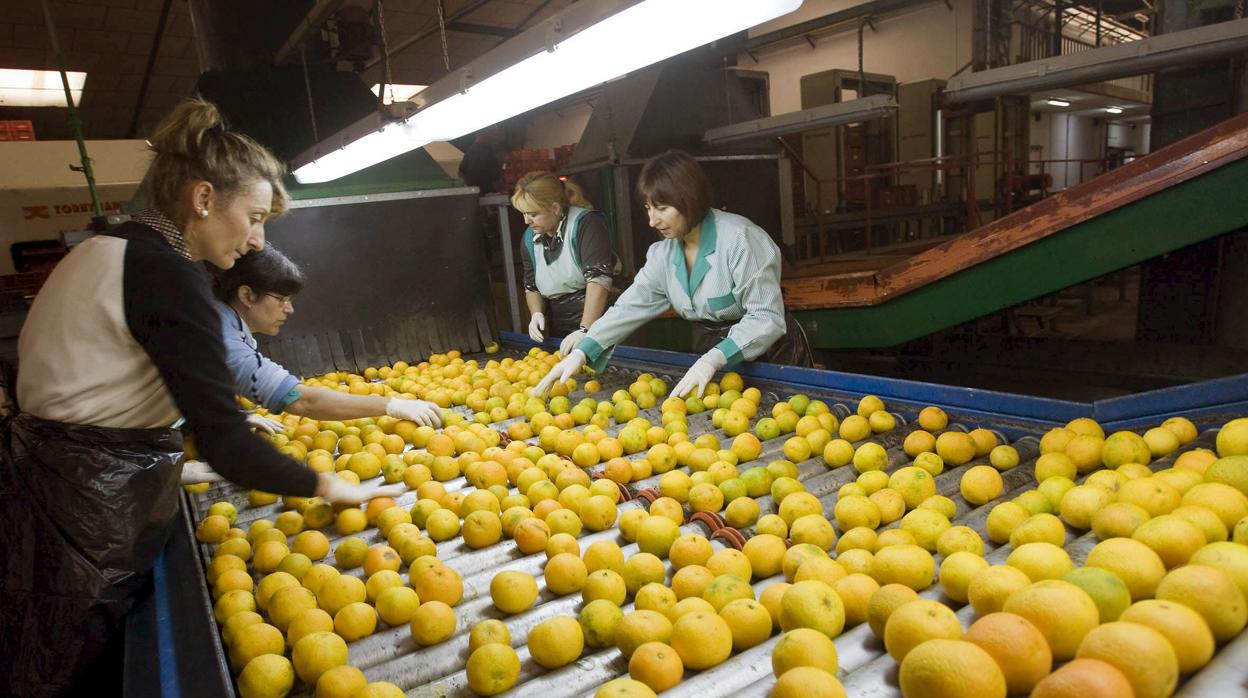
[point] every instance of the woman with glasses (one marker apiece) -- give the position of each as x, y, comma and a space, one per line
256, 295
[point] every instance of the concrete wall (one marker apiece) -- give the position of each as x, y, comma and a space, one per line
921, 43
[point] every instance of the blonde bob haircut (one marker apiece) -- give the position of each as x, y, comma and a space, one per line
192, 144
542, 190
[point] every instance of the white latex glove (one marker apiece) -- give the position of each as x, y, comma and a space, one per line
335, 490
700, 373
561, 372
194, 472
537, 323
265, 424
422, 412
569, 343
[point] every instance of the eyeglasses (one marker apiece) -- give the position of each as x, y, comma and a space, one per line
281, 300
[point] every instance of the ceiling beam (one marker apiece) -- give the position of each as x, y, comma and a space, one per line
485, 29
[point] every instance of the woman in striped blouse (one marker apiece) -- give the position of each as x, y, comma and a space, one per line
714, 268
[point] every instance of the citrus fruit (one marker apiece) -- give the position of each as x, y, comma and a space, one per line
1061, 611
945, 668
917, 621
492, 669
1021, 652
1210, 592
1084, 677
1142, 654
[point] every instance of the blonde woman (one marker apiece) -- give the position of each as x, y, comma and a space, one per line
568, 261
121, 346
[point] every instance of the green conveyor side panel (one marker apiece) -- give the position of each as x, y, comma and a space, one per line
1207, 206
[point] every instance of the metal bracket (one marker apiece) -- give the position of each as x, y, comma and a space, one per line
809, 39
554, 34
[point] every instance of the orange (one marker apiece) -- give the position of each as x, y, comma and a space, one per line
884, 602
749, 621
556, 642
492, 669
1082, 678
1187, 631
1061, 611
917, 621
657, 665
803, 647
702, 639
1021, 651
1210, 592
1142, 654
807, 682
941, 668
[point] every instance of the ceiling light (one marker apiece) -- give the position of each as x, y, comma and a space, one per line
1057, 102
588, 43
399, 93
1113, 110
38, 88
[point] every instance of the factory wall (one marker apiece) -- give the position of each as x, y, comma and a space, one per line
924, 42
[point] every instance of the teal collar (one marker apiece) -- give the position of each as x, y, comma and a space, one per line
706, 248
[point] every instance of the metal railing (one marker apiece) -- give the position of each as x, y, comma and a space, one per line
1021, 184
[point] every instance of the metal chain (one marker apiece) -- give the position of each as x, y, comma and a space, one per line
446, 56
307, 83
385, 58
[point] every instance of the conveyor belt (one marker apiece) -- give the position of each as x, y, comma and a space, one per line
866, 670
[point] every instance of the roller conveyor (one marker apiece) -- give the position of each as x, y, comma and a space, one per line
865, 668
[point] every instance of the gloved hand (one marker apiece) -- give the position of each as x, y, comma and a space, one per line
569, 343
335, 490
267, 425
560, 372
194, 472
537, 323
422, 412
700, 373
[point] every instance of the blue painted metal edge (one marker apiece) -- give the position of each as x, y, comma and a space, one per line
1206, 402
1205, 394
167, 657
981, 401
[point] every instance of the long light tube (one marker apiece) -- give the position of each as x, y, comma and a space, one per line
38, 88
640, 35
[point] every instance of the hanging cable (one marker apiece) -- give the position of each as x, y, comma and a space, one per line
307, 84
446, 55
385, 58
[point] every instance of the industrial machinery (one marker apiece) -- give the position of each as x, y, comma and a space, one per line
181, 635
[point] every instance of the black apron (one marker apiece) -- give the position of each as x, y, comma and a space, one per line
84, 512
563, 313
793, 349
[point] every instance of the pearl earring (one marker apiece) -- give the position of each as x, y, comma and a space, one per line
203, 213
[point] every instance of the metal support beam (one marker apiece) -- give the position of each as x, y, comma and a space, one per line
861, 109
311, 22
151, 64
1105, 63
413, 40
483, 29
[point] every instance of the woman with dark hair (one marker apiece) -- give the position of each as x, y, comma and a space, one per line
257, 295
716, 269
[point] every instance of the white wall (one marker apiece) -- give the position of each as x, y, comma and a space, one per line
1068, 137
925, 42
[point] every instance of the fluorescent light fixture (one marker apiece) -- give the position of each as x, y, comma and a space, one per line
38, 88
862, 109
1104, 63
1113, 110
399, 93
586, 44
1057, 102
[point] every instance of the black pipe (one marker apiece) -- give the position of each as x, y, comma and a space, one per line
151, 65
1058, 9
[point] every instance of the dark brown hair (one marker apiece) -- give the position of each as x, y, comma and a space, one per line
192, 144
674, 178
263, 271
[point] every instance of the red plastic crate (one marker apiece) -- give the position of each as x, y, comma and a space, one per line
17, 131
